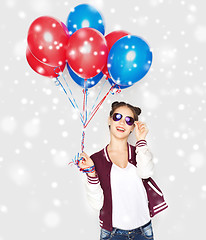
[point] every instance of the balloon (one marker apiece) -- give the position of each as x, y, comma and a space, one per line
41, 67
87, 52
116, 85
129, 60
91, 82
111, 38
84, 15
47, 40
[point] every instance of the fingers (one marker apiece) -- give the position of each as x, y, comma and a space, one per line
84, 155
140, 124
84, 160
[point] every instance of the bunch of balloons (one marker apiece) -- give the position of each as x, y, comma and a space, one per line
122, 57
87, 54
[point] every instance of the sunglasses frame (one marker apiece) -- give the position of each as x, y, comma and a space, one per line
121, 116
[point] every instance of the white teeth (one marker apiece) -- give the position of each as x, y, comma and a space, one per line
121, 129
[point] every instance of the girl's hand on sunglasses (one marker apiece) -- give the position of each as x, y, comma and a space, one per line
141, 130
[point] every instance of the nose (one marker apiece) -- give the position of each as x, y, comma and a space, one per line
122, 121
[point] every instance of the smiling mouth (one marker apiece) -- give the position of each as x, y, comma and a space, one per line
120, 129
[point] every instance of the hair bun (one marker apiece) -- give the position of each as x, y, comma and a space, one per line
114, 104
138, 110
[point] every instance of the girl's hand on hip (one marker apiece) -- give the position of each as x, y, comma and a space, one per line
141, 130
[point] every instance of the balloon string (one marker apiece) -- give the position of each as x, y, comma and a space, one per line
77, 158
86, 104
82, 143
74, 104
85, 92
98, 106
97, 98
84, 113
85, 101
72, 95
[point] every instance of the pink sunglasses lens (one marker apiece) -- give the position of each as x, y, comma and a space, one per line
129, 121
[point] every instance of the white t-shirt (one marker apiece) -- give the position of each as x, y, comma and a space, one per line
129, 198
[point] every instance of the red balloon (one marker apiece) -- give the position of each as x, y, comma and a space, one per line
111, 38
41, 67
48, 39
87, 52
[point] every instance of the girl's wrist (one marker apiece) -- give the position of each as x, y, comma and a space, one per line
139, 139
92, 174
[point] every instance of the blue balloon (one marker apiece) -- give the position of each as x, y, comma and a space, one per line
84, 15
129, 60
91, 82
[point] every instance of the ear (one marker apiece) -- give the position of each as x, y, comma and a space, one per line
109, 121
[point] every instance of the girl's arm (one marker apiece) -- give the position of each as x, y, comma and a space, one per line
94, 192
145, 165
92, 185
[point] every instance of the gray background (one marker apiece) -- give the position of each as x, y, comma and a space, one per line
41, 197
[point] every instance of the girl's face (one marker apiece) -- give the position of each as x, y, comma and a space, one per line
120, 128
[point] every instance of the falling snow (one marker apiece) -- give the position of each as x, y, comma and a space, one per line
41, 132
52, 219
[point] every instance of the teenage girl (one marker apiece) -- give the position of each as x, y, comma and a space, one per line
115, 186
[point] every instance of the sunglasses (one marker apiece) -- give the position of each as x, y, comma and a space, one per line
128, 120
